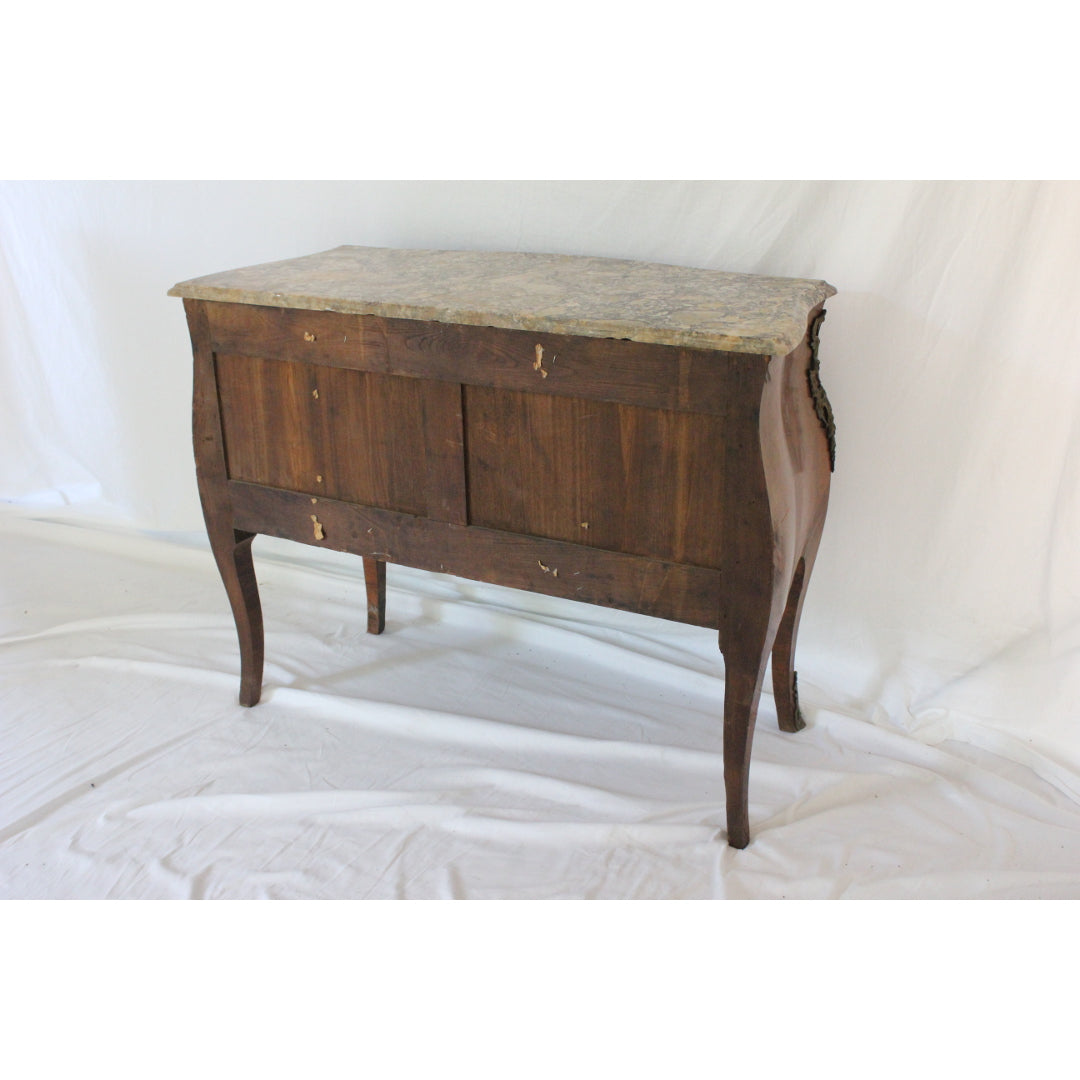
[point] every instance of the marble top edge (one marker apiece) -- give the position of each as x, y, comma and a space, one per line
593, 296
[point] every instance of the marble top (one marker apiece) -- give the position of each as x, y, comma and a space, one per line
566, 294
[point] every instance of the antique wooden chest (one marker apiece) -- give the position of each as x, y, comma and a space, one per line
643, 436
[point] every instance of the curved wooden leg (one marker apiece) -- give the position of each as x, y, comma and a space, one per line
744, 672
375, 580
231, 547
232, 551
785, 678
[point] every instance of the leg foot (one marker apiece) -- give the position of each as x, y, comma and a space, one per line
785, 679
375, 580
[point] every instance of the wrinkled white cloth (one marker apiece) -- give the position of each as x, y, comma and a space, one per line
497, 744
490, 744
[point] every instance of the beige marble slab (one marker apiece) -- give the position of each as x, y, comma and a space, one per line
566, 294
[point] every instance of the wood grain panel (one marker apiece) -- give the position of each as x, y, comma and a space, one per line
351, 435
618, 477
271, 422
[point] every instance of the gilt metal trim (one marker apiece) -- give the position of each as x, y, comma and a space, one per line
817, 391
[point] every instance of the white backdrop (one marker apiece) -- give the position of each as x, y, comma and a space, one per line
945, 604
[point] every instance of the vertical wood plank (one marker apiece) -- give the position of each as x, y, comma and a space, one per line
444, 450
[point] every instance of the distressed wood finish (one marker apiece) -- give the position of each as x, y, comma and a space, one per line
683, 483
686, 594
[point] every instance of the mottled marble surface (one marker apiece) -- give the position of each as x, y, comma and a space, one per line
567, 294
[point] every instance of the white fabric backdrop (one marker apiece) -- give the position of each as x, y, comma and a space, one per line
937, 657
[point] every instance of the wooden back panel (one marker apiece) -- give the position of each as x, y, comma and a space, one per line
376, 440
620, 477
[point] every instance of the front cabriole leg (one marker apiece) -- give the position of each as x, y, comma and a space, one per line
744, 668
758, 546
233, 556
810, 438
231, 547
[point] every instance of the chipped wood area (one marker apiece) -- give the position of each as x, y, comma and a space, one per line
538, 363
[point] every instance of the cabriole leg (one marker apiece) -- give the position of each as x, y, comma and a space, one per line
232, 551
744, 671
375, 580
746, 641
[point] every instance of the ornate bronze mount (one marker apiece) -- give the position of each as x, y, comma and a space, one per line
817, 391
800, 722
